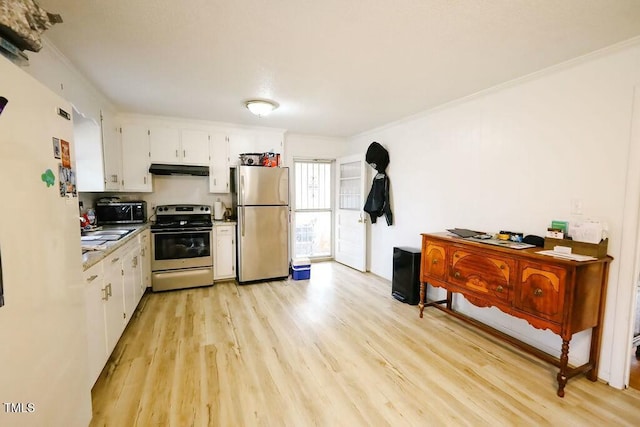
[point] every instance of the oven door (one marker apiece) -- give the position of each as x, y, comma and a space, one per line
180, 249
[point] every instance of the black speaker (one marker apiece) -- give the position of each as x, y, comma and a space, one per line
405, 285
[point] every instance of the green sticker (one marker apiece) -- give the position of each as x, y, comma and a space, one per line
48, 178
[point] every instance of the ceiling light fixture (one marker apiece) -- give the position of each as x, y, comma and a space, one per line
261, 107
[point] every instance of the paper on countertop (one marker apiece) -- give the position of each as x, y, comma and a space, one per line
573, 257
588, 231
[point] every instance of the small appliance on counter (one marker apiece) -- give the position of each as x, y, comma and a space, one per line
218, 211
117, 212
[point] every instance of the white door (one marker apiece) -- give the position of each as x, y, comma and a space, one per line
351, 231
164, 145
195, 147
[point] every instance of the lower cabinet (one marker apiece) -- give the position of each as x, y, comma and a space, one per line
145, 260
96, 322
224, 266
113, 290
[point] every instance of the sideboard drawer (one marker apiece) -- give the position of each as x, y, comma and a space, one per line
483, 274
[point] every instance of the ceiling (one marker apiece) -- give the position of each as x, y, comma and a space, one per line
336, 67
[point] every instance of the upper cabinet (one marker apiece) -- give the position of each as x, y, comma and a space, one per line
112, 151
219, 163
135, 158
173, 145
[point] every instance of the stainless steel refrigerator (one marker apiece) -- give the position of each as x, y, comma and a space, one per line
262, 199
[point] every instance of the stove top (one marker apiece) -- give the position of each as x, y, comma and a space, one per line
182, 217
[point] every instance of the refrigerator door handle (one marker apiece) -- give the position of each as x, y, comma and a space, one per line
242, 225
242, 189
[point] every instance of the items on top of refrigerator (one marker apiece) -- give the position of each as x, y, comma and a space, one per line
269, 159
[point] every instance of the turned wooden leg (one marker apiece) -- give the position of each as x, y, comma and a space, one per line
564, 361
422, 297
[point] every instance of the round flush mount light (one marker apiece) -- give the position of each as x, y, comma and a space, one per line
261, 107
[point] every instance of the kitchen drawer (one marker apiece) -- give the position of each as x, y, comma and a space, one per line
93, 275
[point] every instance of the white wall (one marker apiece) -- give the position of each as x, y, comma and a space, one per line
513, 158
312, 147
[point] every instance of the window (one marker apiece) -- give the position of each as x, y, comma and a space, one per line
313, 214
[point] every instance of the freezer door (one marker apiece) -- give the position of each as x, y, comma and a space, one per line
263, 242
262, 186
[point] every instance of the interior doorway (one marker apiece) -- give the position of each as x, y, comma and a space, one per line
634, 368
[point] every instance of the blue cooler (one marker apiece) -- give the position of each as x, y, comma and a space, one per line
301, 268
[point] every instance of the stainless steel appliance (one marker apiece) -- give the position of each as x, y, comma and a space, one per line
181, 246
262, 200
116, 212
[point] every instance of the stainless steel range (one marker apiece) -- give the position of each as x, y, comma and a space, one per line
182, 248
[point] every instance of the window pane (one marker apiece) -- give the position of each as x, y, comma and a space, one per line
313, 234
313, 185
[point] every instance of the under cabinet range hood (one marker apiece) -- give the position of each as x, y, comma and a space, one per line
161, 169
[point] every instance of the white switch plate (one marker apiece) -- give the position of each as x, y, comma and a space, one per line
576, 206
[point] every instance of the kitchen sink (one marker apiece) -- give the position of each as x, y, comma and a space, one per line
110, 234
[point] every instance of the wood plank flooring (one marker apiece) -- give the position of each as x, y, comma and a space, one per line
336, 350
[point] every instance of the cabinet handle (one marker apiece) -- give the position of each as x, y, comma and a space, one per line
176, 153
145, 180
115, 260
184, 153
109, 294
105, 295
214, 181
456, 274
92, 278
114, 178
537, 292
499, 288
435, 261
502, 267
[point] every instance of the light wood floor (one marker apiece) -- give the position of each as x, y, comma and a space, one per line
336, 350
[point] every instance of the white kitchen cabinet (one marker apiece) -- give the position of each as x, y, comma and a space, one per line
164, 144
112, 152
131, 278
219, 163
171, 145
224, 266
95, 294
145, 260
194, 147
114, 307
135, 158
254, 141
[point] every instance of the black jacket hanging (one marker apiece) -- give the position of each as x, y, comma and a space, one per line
377, 203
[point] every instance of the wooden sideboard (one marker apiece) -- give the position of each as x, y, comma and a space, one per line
563, 296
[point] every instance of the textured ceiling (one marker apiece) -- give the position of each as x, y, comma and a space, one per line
336, 67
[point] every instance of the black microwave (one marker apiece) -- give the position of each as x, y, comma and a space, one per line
121, 212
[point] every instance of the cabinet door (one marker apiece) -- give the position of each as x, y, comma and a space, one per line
112, 151
96, 295
433, 261
194, 147
145, 261
541, 290
135, 158
164, 143
487, 275
114, 307
224, 267
219, 164
87, 136
131, 279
